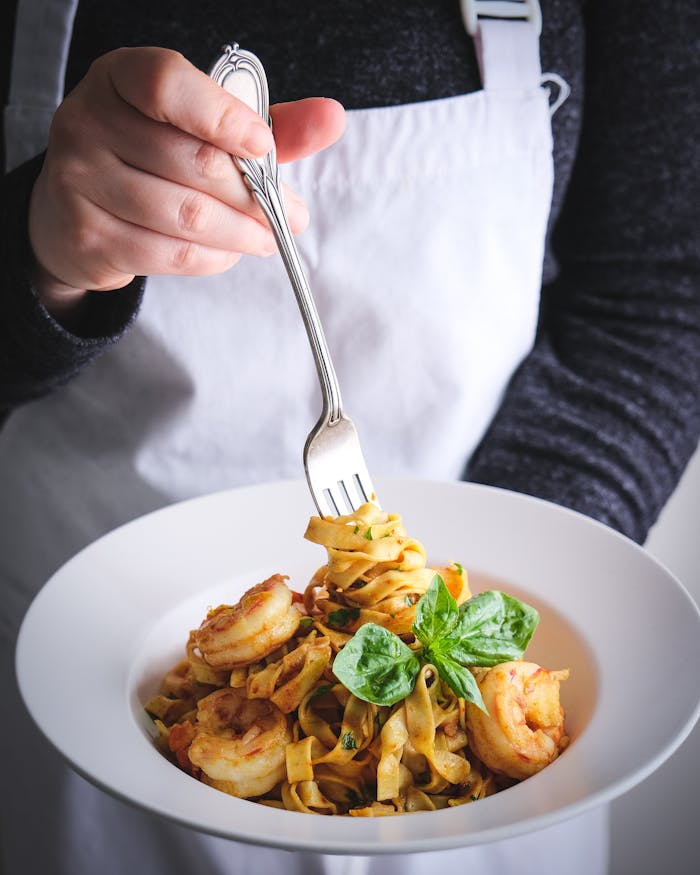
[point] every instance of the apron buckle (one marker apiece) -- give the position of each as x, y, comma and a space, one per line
523, 10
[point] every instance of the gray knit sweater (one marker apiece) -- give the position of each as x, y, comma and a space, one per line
604, 413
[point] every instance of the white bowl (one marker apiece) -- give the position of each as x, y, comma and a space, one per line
117, 615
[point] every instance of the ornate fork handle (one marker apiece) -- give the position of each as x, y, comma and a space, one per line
241, 74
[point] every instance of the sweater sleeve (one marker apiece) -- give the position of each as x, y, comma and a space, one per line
604, 414
36, 353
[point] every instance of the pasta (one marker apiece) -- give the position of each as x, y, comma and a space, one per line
257, 708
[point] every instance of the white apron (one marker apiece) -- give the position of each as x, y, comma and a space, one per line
424, 256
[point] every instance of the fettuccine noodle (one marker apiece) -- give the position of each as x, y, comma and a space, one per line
254, 708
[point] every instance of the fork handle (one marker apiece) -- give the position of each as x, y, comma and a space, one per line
240, 73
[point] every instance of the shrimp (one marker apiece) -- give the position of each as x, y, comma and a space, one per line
246, 632
524, 729
239, 743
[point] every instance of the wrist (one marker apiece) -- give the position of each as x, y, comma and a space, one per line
63, 302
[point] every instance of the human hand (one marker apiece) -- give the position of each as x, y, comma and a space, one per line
138, 177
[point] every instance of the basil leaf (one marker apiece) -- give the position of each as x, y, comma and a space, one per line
376, 666
457, 677
492, 627
436, 613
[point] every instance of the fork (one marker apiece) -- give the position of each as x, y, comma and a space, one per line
333, 461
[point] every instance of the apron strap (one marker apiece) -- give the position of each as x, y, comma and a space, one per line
507, 51
507, 41
43, 30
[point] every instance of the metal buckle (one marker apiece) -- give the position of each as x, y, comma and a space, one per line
523, 10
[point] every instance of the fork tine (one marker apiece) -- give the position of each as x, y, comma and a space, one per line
335, 468
342, 497
334, 498
365, 487
348, 494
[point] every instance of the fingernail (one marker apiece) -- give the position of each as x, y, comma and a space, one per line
258, 139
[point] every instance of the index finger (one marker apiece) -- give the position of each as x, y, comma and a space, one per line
165, 86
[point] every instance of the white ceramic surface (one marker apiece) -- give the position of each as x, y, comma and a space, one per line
114, 618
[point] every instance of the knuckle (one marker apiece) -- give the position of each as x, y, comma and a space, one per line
192, 214
167, 60
161, 71
63, 119
183, 256
224, 119
101, 65
64, 178
118, 56
87, 242
68, 122
166, 64
211, 162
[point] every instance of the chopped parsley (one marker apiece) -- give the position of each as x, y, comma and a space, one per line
321, 691
340, 618
348, 742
